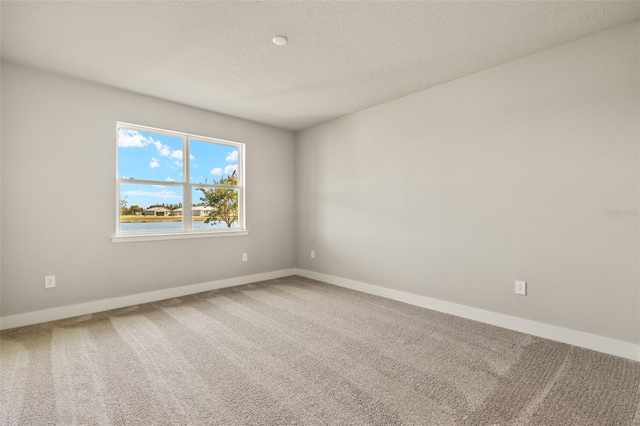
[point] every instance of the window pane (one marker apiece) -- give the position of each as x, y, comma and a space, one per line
214, 208
213, 163
150, 207
149, 156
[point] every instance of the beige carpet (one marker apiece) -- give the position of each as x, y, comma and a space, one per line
297, 351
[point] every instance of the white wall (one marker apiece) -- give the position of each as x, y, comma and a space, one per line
455, 192
58, 189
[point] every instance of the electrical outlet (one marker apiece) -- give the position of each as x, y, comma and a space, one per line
521, 288
49, 281
313, 254
244, 257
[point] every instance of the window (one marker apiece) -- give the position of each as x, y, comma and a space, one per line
177, 185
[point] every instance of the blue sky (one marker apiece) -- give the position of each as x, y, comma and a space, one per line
153, 156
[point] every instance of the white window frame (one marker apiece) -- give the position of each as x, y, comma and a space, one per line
187, 189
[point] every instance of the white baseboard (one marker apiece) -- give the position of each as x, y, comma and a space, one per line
547, 331
552, 332
63, 312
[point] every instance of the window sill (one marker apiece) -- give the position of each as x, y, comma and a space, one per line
132, 238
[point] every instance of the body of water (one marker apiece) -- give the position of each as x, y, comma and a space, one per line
165, 226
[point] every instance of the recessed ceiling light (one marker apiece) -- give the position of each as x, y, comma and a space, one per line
279, 40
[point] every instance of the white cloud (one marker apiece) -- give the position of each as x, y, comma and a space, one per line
192, 157
166, 151
227, 171
233, 156
133, 138
230, 169
178, 163
159, 186
130, 138
163, 149
168, 179
154, 163
164, 195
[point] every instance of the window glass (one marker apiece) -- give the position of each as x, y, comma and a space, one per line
174, 182
215, 207
149, 156
150, 207
211, 162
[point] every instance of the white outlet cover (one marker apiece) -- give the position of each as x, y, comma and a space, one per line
521, 288
49, 281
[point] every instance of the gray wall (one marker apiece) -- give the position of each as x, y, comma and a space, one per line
451, 193
58, 189
455, 192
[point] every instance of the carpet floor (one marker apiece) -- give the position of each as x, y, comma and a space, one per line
298, 351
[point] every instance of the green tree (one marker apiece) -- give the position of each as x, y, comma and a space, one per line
135, 209
123, 205
223, 201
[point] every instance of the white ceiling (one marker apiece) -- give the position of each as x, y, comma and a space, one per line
342, 57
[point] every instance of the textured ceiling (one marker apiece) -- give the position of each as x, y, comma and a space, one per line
342, 56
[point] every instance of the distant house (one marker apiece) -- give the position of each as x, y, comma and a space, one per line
195, 211
200, 210
157, 211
